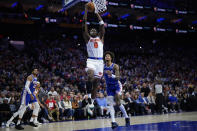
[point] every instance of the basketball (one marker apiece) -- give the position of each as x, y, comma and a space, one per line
91, 7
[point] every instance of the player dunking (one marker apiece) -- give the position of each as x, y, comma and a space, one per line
94, 42
27, 97
114, 88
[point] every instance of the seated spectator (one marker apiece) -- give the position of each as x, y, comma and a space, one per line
145, 89
143, 103
44, 114
61, 109
151, 102
4, 111
52, 107
128, 103
12, 105
2, 97
173, 102
102, 102
90, 107
77, 110
84, 104
67, 105
6, 91
52, 92
138, 109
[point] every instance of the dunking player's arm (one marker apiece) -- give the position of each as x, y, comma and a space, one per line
101, 28
86, 35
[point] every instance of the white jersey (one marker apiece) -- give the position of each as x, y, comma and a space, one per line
95, 48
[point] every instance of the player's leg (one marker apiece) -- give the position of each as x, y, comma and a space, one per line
98, 73
95, 87
22, 108
110, 101
89, 83
20, 111
34, 118
122, 108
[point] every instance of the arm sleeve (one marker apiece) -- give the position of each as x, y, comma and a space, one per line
27, 84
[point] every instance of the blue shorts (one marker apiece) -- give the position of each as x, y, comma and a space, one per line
112, 90
26, 98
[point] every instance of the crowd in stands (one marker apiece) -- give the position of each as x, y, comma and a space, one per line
63, 93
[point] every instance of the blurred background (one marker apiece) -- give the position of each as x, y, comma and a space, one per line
152, 40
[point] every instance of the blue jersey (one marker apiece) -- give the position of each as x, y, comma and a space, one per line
109, 80
32, 84
26, 98
113, 85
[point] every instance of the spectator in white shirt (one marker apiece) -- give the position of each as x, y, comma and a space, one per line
61, 109
151, 102
67, 105
52, 92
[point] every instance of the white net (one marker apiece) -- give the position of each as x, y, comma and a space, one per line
100, 5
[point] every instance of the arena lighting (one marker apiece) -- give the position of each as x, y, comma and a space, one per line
39, 7
141, 18
194, 22
124, 16
105, 14
176, 20
62, 10
181, 31
14, 4
159, 20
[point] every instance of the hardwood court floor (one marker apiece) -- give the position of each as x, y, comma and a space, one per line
174, 122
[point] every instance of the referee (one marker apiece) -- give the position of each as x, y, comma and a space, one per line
159, 95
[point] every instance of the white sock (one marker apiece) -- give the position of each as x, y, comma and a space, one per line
89, 95
112, 113
11, 119
123, 111
32, 119
36, 120
18, 123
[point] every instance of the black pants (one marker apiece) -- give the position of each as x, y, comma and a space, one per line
152, 107
4, 116
159, 102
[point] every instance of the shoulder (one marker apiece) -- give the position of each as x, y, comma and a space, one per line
116, 66
29, 78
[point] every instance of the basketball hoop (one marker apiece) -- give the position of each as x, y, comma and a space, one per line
100, 6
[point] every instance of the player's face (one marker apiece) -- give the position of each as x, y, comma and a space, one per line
93, 32
35, 72
107, 57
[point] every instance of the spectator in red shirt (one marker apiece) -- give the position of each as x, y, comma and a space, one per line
52, 107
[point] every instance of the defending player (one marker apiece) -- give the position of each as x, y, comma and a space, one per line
94, 45
114, 88
27, 97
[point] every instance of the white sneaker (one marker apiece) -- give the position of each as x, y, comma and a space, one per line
7, 124
38, 123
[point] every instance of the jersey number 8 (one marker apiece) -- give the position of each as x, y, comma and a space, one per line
95, 45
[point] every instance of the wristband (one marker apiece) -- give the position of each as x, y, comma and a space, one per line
113, 76
101, 22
